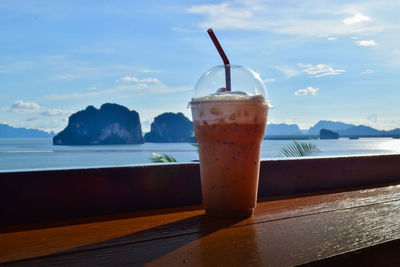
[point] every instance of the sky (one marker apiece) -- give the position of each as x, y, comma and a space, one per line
320, 60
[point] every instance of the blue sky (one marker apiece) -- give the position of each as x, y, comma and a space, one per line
332, 60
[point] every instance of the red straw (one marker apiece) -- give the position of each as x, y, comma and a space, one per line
218, 46
224, 59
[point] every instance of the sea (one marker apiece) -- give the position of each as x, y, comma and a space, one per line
39, 154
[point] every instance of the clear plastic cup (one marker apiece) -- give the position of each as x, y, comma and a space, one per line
229, 127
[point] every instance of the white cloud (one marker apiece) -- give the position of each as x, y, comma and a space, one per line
231, 14
26, 107
47, 124
357, 18
288, 71
92, 88
366, 43
76, 95
34, 108
319, 70
31, 119
130, 79
149, 80
228, 16
55, 112
137, 89
16, 67
149, 71
137, 80
269, 80
308, 91
300, 19
146, 125
373, 117
65, 77
332, 38
367, 71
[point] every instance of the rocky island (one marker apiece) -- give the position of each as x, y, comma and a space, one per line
111, 124
170, 128
328, 134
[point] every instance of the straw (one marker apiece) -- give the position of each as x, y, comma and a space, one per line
224, 59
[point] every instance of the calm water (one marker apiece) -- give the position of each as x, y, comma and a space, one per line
23, 154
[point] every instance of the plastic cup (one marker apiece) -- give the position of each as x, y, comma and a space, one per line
229, 131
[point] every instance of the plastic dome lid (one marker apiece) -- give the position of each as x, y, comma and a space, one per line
243, 79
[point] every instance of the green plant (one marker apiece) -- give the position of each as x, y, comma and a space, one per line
298, 149
157, 158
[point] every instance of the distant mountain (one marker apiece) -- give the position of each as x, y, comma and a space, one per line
344, 129
111, 124
394, 131
170, 127
7, 131
283, 129
361, 130
329, 125
303, 131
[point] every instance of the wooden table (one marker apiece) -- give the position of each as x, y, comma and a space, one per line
283, 232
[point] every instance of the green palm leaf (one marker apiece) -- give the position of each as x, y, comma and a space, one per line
159, 158
298, 149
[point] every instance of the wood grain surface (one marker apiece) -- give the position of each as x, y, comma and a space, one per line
283, 232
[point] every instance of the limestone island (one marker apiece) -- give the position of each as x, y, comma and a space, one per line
328, 134
170, 128
111, 124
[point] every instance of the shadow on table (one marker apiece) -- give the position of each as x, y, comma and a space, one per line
96, 219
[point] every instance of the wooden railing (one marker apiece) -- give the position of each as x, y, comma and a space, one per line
38, 196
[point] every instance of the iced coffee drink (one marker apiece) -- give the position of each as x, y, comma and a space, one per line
229, 127
229, 124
